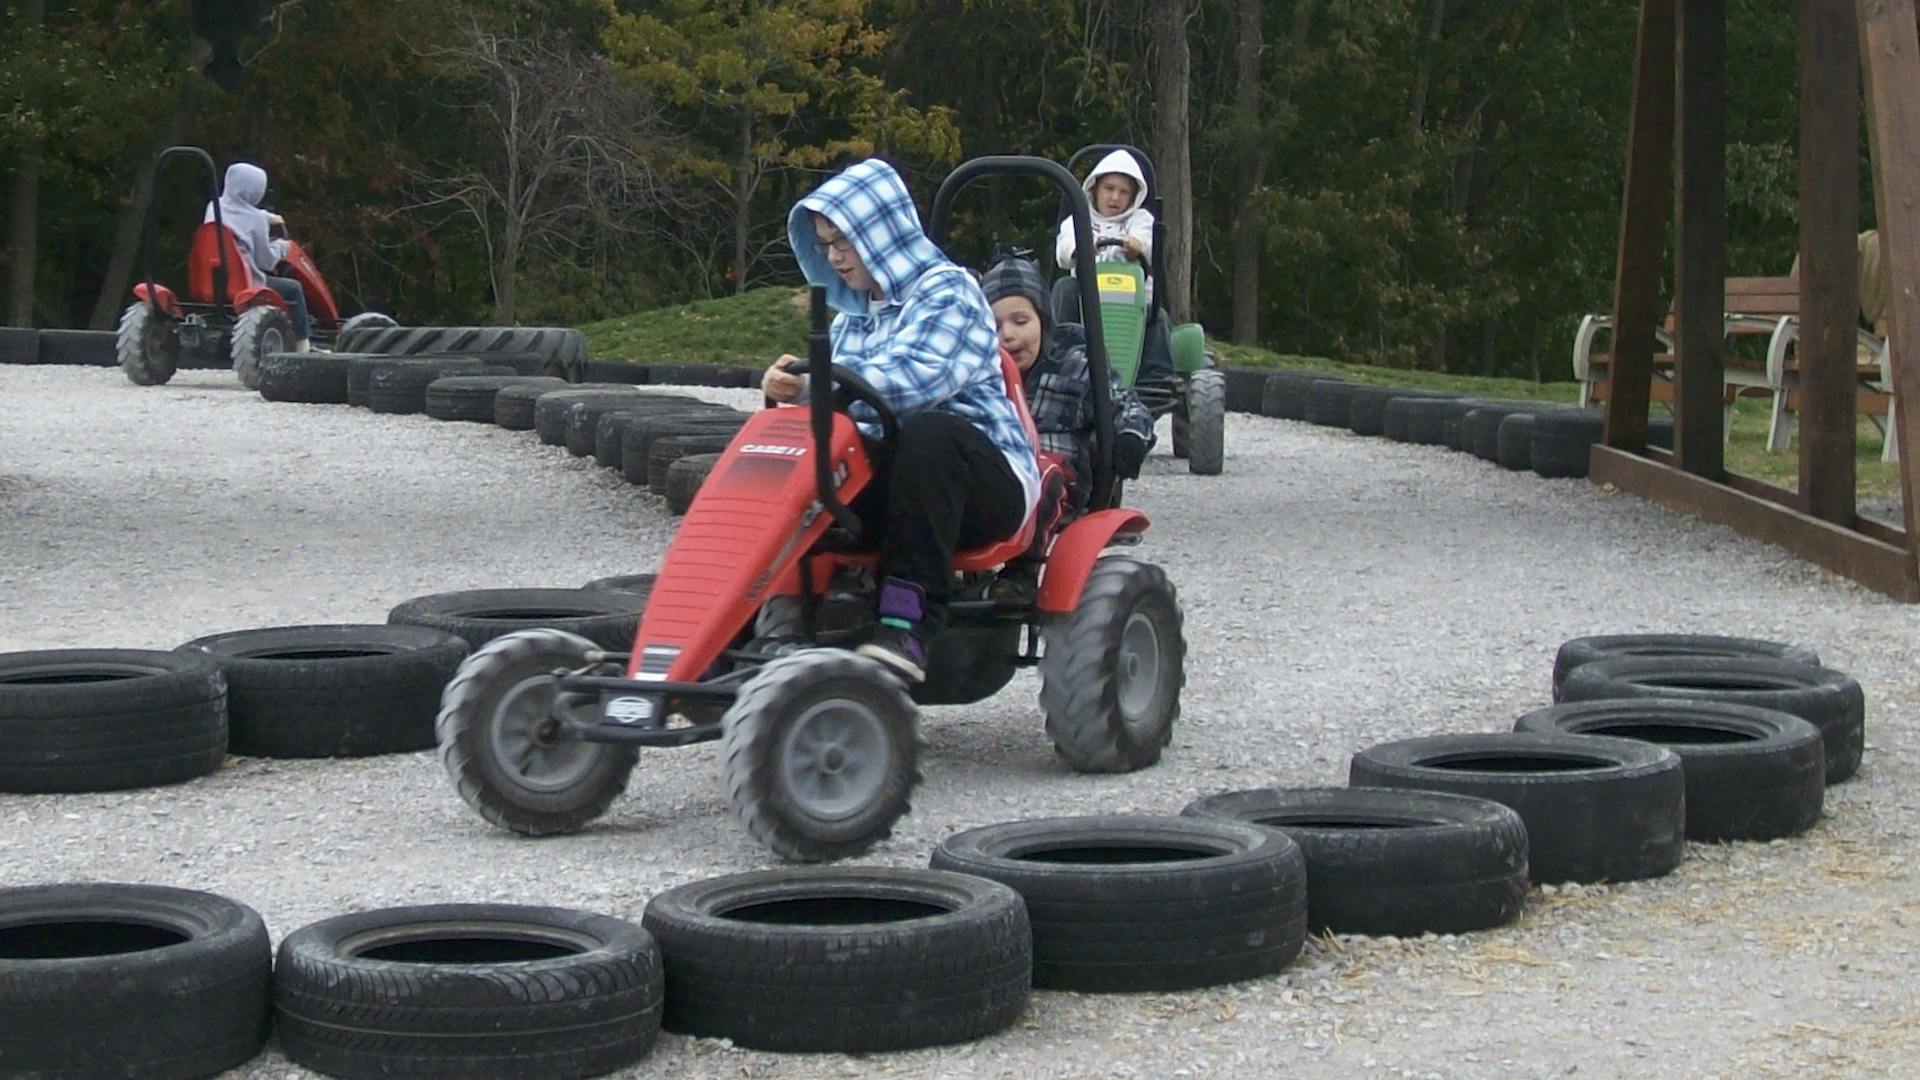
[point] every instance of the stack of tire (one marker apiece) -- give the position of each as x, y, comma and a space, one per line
663, 441
1551, 439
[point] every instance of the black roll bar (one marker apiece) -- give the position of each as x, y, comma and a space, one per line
1019, 165
153, 210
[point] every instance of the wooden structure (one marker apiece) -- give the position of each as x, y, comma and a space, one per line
1677, 143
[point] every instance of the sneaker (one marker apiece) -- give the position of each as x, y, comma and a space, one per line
899, 648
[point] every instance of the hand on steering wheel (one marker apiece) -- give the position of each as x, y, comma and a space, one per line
850, 386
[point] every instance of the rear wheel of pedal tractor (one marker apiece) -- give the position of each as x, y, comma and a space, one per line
147, 344
507, 754
259, 331
1112, 670
1206, 408
822, 754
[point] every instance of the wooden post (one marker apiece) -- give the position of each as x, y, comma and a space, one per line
1893, 85
1829, 278
1700, 238
1643, 228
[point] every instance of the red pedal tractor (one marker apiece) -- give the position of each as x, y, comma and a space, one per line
229, 312
764, 592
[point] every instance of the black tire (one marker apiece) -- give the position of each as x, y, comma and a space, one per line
503, 754
21, 344
1145, 903
810, 804
108, 719
1596, 809
1206, 423
551, 411
468, 992
761, 958
1829, 700
1402, 863
1453, 424
147, 345
314, 378
1367, 409
583, 418
610, 430
1586, 650
1100, 714
401, 389
1562, 442
1245, 388
665, 451
636, 442
514, 407
1421, 421
367, 320
1328, 402
640, 585
480, 615
1480, 430
471, 397
1751, 774
1284, 396
79, 348
360, 369
684, 478
102, 982
556, 351
332, 691
701, 375
1513, 448
257, 332
623, 372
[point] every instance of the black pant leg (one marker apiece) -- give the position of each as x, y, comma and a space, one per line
948, 488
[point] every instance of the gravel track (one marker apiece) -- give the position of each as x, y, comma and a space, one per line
1338, 591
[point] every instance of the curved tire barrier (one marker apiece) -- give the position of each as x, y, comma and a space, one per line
1829, 700
332, 691
315, 378
636, 442
1387, 861
471, 397
401, 389
1586, 650
1418, 420
486, 991
608, 619
684, 478
102, 981
852, 960
1284, 397
1751, 774
1367, 409
1145, 903
610, 432
1596, 809
108, 719
516, 407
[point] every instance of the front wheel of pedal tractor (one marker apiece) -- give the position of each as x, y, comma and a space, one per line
506, 753
147, 345
822, 754
1112, 669
1206, 409
1182, 429
258, 331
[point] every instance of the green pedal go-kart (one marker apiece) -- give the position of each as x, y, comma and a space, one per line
1194, 392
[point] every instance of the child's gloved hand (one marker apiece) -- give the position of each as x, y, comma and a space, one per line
1133, 247
780, 383
1129, 453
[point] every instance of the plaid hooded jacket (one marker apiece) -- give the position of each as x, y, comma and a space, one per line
929, 343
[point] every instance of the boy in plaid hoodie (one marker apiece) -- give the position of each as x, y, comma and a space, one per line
916, 326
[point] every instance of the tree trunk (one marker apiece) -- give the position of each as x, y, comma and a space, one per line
133, 216
1423, 74
23, 211
1253, 168
743, 200
1171, 123
506, 273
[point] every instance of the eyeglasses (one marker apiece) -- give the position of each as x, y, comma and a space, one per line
841, 244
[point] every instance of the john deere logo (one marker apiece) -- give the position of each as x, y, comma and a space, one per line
1120, 283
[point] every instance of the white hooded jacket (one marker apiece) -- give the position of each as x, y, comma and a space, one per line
1135, 222
240, 212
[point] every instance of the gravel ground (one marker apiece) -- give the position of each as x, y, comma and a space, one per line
1338, 592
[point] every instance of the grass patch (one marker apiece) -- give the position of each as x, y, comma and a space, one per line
753, 328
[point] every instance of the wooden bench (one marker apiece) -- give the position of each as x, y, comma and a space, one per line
1768, 306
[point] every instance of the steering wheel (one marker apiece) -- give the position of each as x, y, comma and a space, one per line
850, 386
1109, 241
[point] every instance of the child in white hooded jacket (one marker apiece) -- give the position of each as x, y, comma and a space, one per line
1117, 194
